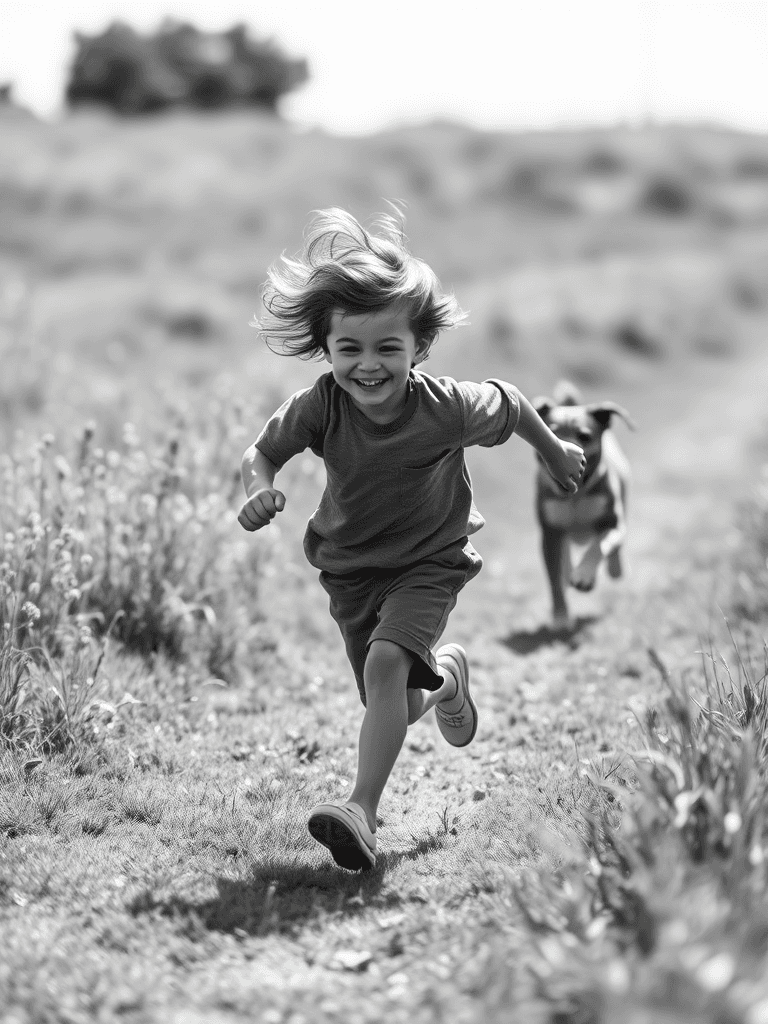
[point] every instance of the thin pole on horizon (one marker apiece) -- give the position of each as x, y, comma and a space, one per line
649, 12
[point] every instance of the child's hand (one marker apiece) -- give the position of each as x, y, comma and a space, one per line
568, 469
261, 508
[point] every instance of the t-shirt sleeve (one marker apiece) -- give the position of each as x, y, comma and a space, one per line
490, 412
297, 425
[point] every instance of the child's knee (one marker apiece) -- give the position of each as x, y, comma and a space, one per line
386, 667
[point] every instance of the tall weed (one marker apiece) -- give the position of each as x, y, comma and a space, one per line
141, 541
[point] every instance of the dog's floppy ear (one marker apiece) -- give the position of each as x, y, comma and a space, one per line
543, 406
602, 411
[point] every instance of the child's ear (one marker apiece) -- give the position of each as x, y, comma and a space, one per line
422, 351
326, 355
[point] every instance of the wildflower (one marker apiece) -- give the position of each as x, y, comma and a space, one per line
31, 611
130, 437
148, 504
86, 561
88, 431
113, 459
34, 589
182, 509
62, 467
732, 822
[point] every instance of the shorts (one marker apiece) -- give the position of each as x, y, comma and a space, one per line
409, 606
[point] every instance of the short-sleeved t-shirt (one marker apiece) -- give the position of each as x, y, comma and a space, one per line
395, 492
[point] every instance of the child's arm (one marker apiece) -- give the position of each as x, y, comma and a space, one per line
566, 461
264, 500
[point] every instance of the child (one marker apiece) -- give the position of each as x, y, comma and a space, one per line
390, 536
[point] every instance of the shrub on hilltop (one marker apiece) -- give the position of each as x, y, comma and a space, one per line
134, 73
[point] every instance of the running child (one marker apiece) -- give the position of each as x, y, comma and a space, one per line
391, 533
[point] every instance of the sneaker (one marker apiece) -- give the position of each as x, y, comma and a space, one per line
458, 725
344, 830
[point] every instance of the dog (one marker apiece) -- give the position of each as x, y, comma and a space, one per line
595, 516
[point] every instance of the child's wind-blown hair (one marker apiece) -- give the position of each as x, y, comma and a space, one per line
343, 266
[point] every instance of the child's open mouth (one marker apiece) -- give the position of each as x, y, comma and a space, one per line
370, 385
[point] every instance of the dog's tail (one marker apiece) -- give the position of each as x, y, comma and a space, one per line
565, 393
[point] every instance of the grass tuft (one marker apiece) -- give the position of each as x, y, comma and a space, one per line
664, 907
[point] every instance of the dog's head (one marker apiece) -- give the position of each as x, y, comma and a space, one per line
583, 425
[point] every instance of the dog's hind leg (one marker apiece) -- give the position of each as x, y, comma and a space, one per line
612, 544
613, 564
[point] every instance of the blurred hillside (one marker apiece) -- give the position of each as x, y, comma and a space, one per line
133, 250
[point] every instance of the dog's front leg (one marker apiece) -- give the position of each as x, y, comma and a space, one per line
555, 548
610, 548
584, 574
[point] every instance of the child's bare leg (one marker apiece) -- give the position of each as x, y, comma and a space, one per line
420, 701
384, 725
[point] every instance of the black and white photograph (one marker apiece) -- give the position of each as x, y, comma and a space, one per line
384, 512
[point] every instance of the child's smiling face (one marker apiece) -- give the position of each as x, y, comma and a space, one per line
371, 355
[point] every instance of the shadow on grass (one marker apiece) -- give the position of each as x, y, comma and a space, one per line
281, 897
526, 641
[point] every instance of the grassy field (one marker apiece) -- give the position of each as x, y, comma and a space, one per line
174, 697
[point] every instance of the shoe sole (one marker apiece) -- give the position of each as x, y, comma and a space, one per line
456, 653
345, 847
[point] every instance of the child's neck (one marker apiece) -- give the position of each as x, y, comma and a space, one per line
386, 415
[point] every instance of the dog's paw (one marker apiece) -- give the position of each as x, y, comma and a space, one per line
561, 621
584, 574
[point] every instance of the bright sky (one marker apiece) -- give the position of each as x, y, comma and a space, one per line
492, 63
